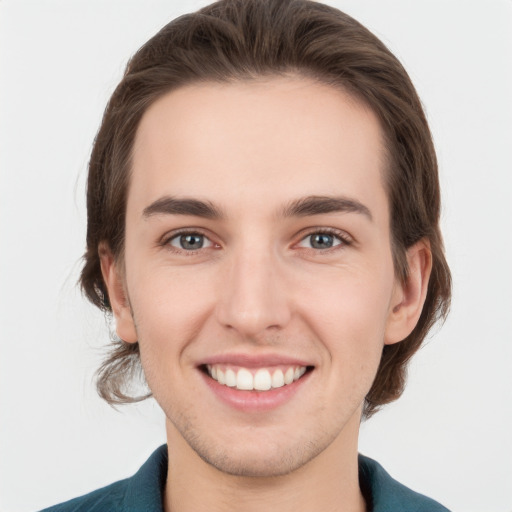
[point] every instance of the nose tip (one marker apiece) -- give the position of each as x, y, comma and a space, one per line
254, 298
251, 323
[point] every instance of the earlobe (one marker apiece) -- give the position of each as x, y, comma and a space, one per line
113, 277
409, 297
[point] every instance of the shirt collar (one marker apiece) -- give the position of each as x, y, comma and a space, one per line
145, 490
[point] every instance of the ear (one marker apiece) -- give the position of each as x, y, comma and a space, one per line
113, 276
409, 297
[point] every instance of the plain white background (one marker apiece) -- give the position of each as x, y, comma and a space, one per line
450, 434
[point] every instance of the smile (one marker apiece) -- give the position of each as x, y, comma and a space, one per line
261, 379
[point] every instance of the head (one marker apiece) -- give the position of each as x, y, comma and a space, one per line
236, 42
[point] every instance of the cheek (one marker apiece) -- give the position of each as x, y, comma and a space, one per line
170, 309
349, 323
350, 312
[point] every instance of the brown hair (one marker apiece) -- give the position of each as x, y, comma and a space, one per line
239, 40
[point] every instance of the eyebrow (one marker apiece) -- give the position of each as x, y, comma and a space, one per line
303, 207
172, 206
318, 205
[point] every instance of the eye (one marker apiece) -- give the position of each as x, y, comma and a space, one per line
323, 240
190, 241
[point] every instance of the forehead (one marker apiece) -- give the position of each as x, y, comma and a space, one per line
254, 143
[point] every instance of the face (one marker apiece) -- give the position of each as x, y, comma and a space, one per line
258, 275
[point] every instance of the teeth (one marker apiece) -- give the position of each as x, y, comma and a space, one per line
288, 376
278, 379
244, 379
263, 380
230, 378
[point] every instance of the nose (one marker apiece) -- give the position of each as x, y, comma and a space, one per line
253, 298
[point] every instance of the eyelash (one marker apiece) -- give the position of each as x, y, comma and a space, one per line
166, 242
342, 237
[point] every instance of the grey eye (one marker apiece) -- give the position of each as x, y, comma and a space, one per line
190, 241
321, 240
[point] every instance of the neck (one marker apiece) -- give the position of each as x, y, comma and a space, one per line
329, 482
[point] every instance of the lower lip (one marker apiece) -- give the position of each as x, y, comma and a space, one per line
255, 400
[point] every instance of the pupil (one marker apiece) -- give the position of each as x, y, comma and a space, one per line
321, 241
191, 241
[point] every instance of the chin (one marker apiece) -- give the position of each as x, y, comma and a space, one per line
256, 458
258, 465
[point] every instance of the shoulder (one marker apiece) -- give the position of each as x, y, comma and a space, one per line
109, 498
142, 491
385, 494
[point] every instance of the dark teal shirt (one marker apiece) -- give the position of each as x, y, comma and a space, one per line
143, 492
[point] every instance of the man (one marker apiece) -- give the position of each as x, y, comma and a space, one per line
263, 224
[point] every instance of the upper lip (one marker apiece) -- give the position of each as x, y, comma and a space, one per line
255, 360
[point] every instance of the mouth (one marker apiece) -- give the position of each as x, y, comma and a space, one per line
261, 379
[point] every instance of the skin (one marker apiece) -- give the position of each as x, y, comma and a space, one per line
259, 286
